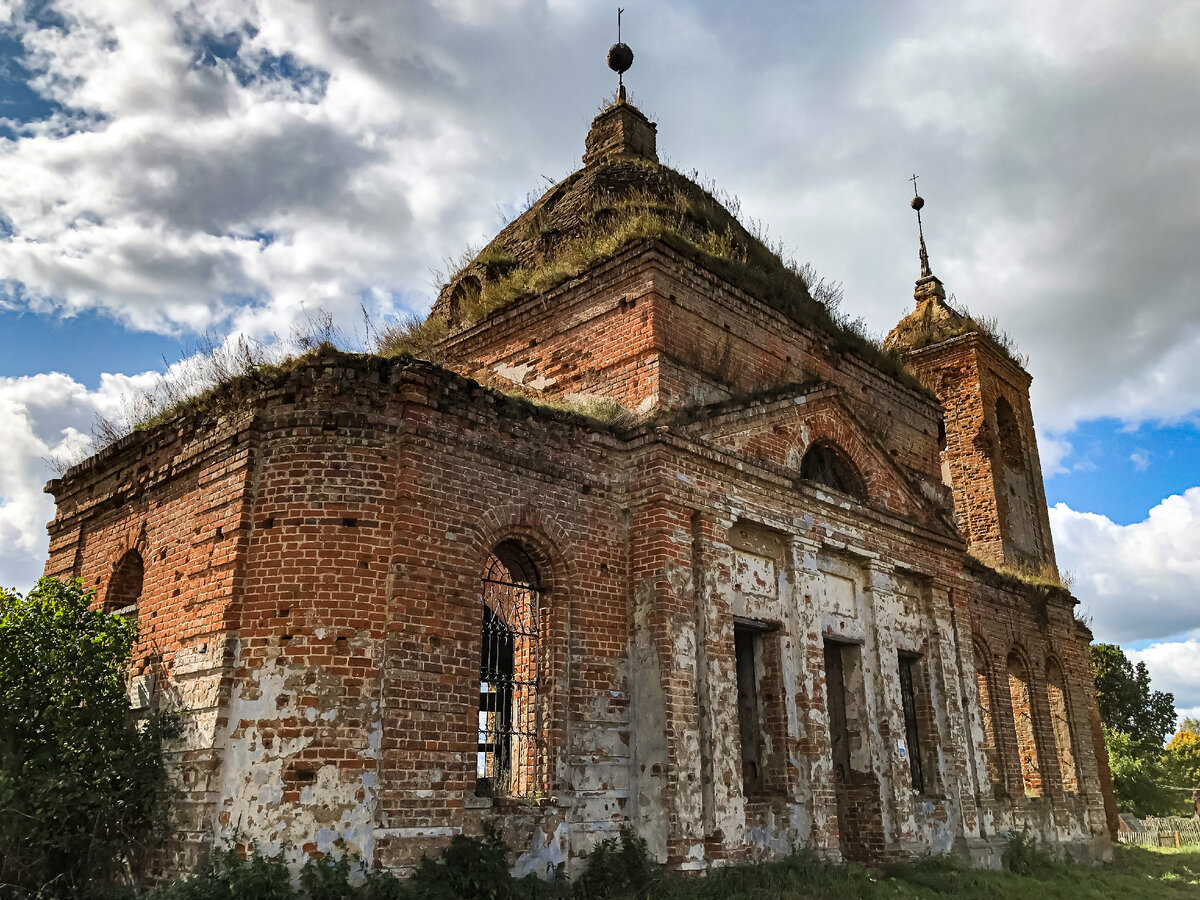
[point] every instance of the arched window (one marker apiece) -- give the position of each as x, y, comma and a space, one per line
1022, 710
1008, 433
464, 298
125, 586
1056, 694
827, 464
508, 757
983, 687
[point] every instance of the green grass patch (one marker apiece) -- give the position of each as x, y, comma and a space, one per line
620, 869
1135, 873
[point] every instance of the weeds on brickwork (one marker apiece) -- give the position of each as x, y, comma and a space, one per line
703, 224
929, 330
415, 337
222, 375
601, 409
1043, 575
227, 370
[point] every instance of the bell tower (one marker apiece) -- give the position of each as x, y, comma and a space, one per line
989, 450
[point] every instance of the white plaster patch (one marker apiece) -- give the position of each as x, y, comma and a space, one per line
518, 374
336, 810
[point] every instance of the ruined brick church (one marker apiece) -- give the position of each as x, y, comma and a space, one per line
775, 602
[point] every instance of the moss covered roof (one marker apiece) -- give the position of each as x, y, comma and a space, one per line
621, 196
934, 320
592, 214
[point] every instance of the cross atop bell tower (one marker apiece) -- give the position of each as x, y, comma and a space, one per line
990, 455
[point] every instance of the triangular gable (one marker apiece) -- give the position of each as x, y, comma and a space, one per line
779, 431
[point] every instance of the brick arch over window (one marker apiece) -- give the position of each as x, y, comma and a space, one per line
538, 533
985, 690
1008, 433
826, 463
1060, 721
1021, 695
125, 586
829, 423
527, 545
510, 755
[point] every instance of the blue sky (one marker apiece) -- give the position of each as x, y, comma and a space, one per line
176, 172
1123, 471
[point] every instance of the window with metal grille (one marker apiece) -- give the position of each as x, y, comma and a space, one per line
912, 729
507, 761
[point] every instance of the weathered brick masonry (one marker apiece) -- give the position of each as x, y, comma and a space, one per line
399, 604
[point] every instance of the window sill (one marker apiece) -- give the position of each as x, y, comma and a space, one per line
474, 801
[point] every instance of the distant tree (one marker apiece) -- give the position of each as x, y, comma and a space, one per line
1181, 765
81, 785
1136, 722
1138, 777
1126, 702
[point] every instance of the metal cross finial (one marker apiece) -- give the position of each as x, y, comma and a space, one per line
916, 203
620, 58
621, 74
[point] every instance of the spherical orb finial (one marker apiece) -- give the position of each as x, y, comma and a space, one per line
916, 203
620, 58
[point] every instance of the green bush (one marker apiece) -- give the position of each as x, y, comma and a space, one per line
468, 869
82, 787
617, 869
1023, 855
473, 869
229, 877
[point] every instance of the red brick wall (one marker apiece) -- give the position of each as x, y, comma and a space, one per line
340, 602
1001, 504
178, 497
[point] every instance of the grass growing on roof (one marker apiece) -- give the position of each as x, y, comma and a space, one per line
927, 330
1042, 575
601, 209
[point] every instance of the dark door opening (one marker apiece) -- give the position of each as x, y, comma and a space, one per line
839, 735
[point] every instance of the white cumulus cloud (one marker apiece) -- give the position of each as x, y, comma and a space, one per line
1174, 666
1141, 582
46, 421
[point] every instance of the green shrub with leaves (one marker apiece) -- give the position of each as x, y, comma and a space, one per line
473, 869
617, 869
82, 788
227, 876
1023, 855
468, 869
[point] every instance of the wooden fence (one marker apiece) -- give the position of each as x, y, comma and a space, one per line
1170, 832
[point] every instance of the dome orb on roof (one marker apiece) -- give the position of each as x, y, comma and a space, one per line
620, 58
917, 203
